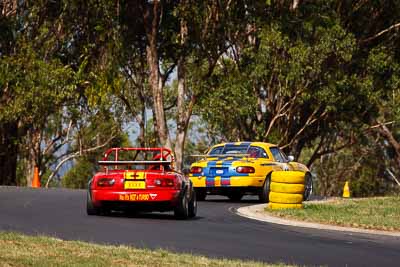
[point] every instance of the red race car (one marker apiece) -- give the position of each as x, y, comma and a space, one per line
140, 179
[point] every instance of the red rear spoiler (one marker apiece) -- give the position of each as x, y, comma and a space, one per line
163, 152
130, 162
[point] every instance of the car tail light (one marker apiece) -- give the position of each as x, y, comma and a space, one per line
245, 169
164, 182
196, 170
104, 182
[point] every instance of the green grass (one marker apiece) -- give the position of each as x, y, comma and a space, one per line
380, 213
22, 250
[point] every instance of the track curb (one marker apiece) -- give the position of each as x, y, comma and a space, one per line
256, 212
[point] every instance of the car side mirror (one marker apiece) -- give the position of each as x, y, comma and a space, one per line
290, 158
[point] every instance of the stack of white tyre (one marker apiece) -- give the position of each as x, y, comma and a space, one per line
286, 190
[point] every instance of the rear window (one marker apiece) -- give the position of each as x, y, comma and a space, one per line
229, 149
235, 149
216, 151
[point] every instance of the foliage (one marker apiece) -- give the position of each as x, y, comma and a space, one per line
320, 78
311, 84
281, 87
79, 175
98, 129
34, 95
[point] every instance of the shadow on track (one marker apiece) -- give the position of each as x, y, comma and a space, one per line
227, 200
168, 216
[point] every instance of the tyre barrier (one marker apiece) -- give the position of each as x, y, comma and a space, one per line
288, 177
286, 190
279, 206
285, 198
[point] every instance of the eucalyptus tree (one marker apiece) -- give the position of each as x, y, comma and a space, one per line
280, 85
55, 55
206, 30
28, 97
8, 128
317, 77
183, 37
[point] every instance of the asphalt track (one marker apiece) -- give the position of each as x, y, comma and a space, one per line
216, 232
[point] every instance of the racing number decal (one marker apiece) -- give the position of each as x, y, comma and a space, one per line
134, 175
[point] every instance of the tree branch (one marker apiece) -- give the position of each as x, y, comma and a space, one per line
394, 26
76, 154
309, 121
51, 145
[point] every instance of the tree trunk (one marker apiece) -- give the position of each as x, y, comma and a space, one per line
8, 153
142, 121
295, 4
151, 21
142, 128
388, 135
34, 155
29, 171
9, 8
181, 126
181, 116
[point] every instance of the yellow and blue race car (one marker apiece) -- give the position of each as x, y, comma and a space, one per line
239, 168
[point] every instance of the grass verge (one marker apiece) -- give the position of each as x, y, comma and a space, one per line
22, 250
379, 213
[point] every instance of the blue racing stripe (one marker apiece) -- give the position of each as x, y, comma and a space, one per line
228, 172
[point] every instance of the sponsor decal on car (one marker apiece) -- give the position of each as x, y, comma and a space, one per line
134, 175
137, 197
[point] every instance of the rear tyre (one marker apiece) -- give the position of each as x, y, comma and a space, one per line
308, 187
201, 194
90, 208
263, 195
193, 206
182, 210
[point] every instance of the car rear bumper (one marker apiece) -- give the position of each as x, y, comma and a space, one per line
226, 191
142, 196
232, 181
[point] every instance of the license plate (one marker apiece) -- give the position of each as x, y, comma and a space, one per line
136, 197
135, 185
219, 171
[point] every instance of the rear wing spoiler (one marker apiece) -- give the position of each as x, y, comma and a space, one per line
133, 162
164, 157
164, 153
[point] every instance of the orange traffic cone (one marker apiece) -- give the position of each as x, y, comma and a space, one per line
36, 179
346, 190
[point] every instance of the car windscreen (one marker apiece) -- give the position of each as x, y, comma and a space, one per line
276, 152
